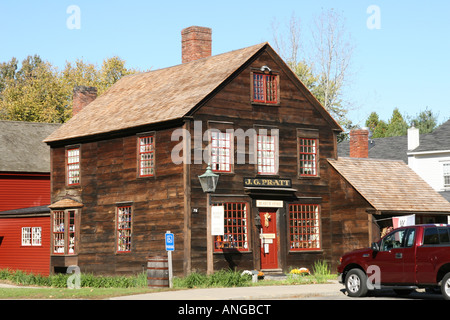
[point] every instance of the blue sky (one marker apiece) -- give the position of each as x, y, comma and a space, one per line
404, 64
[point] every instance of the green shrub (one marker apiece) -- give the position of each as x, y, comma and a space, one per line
221, 278
59, 280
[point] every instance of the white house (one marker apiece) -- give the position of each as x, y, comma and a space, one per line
427, 154
429, 157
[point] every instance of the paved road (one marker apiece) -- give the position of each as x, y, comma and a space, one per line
329, 291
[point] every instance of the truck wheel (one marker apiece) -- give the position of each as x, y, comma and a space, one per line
356, 283
445, 286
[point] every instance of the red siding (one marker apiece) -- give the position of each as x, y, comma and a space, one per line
13, 255
24, 190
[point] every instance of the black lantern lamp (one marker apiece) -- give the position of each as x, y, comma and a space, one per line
209, 180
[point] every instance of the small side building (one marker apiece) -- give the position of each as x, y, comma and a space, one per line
25, 196
367, 193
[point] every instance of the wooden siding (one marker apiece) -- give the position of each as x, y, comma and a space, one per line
13, 255
232, 104
350, 220
24, 190
108, 178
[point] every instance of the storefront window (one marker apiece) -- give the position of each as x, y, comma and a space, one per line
235, 228
304, 227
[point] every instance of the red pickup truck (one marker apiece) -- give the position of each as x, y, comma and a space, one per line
406, 259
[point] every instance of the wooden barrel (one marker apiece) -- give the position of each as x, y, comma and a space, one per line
157, 272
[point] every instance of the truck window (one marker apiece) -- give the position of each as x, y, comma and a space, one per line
443, 235
431, 236
392, 241
409, 238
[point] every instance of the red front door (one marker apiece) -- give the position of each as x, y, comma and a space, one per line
269, 241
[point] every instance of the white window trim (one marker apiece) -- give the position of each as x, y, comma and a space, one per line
446, 173
31, 236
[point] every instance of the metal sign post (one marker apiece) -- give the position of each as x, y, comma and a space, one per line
170, 246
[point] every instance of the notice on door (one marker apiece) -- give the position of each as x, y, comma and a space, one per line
217, 220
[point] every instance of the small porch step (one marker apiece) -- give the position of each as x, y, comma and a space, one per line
273, 274
272, 271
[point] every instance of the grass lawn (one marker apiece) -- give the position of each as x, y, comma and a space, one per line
94, 291
58, 293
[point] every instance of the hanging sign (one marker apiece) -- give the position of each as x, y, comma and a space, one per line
217, 220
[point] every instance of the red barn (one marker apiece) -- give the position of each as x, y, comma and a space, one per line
24, 196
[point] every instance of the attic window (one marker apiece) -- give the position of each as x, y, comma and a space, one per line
265, 88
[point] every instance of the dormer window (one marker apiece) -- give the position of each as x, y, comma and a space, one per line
265, 88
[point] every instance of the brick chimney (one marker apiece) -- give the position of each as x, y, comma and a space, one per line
82, 96
196, 43
359, 143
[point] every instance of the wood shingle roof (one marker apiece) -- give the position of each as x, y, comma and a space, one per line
166, 95
154, 96
390, 185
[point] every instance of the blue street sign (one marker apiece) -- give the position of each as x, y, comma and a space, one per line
170, 242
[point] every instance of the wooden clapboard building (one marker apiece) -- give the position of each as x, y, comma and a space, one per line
125, 168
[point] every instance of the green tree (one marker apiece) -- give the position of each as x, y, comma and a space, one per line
372, 121
425, 121
39, 92
380, 130
33, 94
397, 125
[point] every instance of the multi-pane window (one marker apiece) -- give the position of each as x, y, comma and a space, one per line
307, 157
146, 156
235, 227
267, 155
221, 151
304, 227
73, 166
26, 236
31, 236
58, 232
446, 167
36, 236
124, 229
64, 235
265, 88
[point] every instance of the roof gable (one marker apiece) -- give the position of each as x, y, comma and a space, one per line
167, 94
390, 185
